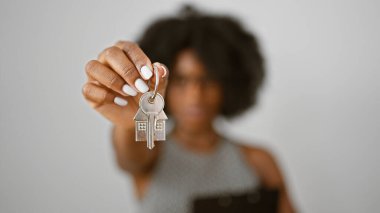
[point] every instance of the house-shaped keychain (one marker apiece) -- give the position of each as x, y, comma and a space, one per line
141, 125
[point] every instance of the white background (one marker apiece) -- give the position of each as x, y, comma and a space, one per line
318, 112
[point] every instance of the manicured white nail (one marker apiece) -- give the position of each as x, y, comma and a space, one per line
156, 64
141, 85
129, 90
120, 101
146, 72
165, 71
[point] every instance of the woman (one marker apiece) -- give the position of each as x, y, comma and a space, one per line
216, 69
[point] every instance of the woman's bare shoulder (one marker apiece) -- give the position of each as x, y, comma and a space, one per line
264, 163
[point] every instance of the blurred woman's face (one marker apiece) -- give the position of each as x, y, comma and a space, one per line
194, 100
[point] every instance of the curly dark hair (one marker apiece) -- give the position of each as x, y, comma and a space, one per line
230, 54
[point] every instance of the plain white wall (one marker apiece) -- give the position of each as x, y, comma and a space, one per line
318, 112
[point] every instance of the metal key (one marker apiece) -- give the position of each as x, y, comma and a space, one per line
152, 108
150, 118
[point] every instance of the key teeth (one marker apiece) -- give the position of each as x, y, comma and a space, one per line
150, 147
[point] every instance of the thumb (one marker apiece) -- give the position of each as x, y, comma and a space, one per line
161, 74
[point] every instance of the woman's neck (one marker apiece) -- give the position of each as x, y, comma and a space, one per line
202, 140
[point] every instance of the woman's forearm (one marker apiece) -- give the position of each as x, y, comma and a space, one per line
131, 156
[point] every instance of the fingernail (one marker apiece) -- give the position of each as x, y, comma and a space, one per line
141, 85
165, 71
146, 72
156, 64
120, 101
129, 90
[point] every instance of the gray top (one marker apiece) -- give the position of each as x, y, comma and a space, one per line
181, 175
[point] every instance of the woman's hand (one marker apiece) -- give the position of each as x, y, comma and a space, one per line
118, 78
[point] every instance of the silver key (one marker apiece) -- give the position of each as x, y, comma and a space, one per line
150, 119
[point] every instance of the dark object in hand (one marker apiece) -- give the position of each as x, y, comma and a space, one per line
259, 200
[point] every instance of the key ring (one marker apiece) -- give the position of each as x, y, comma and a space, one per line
151, 99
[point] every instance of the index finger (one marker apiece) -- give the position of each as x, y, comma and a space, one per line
138, 57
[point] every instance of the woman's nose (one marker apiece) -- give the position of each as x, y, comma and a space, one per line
194, 89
